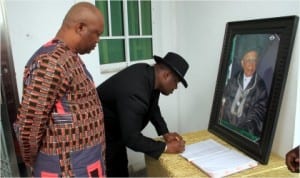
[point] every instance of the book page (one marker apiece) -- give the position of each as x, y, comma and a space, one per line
202, 149
215, 159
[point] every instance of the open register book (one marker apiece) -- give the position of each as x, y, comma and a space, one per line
215, 159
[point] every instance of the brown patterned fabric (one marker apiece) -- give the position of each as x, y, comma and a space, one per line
60, 112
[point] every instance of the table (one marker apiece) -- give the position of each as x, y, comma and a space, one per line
173, 165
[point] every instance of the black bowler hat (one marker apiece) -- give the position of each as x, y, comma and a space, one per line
176, 63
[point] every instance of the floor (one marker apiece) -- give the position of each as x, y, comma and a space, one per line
139, 173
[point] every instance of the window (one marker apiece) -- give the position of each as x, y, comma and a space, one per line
127, 36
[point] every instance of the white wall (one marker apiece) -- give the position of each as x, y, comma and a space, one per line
297, 117
194, 29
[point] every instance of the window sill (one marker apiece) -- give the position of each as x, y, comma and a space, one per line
116, 67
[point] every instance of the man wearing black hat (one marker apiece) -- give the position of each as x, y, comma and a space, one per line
130, 100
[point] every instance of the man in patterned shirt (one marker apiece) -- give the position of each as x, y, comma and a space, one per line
60, 124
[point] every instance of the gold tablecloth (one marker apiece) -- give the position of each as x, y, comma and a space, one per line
173, 165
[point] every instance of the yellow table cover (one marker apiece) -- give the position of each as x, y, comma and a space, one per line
173, 165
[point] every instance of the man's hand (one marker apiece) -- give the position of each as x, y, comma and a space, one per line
292, 159
174, 142
172, 136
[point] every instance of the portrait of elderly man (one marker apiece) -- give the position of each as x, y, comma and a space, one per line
245, 97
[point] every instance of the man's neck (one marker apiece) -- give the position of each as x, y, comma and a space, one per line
64, 36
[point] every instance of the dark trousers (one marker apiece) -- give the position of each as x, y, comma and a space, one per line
116, 160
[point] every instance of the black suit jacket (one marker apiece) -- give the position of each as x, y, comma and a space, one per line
129, 102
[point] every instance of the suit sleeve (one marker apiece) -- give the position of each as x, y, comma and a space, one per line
131, 110
156, 118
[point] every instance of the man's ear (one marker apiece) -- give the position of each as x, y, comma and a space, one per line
80, 28
166, 74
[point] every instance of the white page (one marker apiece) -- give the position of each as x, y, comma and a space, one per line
203, 148
215, 159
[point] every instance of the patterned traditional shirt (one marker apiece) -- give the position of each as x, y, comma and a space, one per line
60, 113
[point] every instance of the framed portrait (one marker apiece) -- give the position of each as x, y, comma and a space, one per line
250, 83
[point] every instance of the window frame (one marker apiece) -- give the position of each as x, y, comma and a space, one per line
115, 67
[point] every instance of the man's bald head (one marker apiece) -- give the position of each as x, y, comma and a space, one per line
82, 12
82, 27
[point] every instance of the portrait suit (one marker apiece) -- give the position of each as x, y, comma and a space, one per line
245, 108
